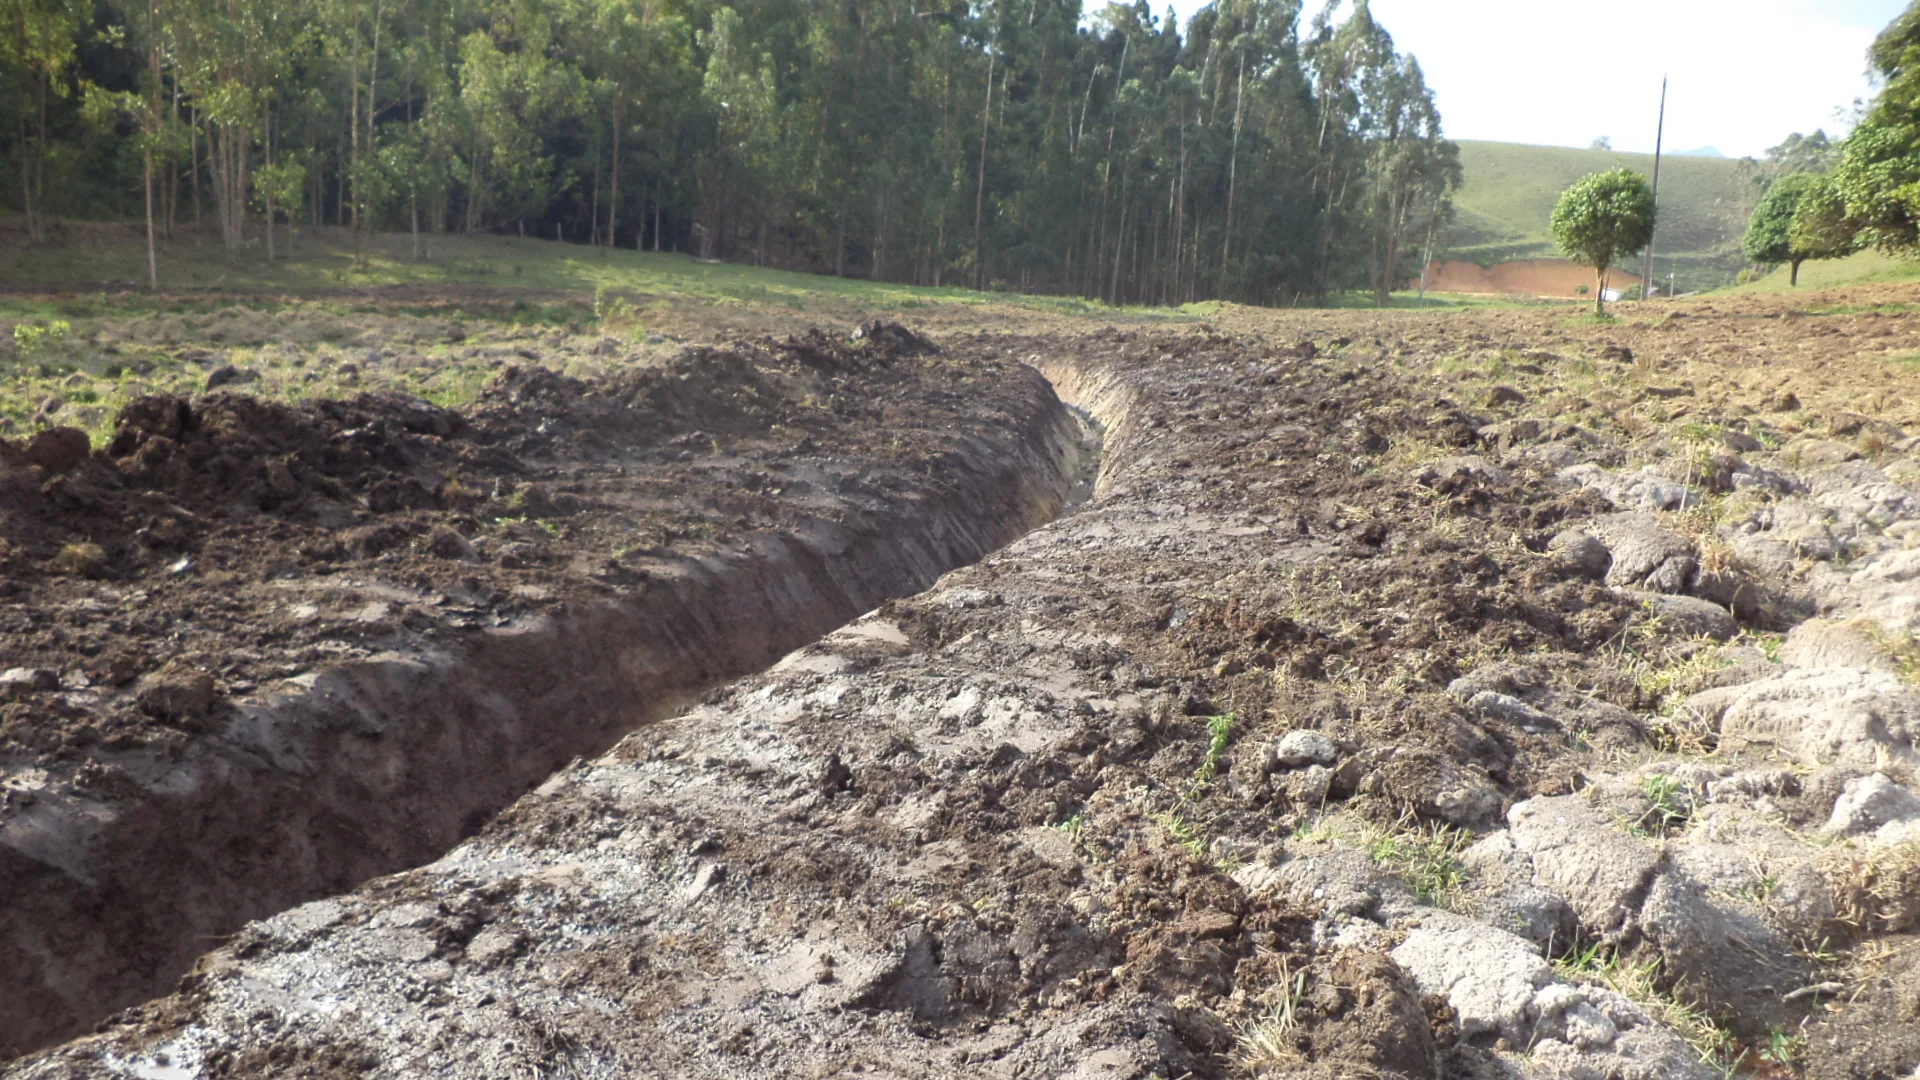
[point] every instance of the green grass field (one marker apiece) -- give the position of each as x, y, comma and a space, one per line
1865, 268
89, 257
1509, 192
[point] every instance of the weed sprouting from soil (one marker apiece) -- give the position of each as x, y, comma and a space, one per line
1669, 806
1219, 733
33, 339
1901, 649
1875, 890
1665, 683
1784, 1048
81, 560
1075, 829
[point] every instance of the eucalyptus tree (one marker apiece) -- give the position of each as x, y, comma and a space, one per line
1027, 144
39, 42
518, 97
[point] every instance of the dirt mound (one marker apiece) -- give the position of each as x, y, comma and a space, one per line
228, 485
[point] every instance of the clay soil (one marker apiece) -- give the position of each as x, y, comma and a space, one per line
1053, 816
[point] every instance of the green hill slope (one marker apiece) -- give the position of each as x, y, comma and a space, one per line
1864, 268
1509, 193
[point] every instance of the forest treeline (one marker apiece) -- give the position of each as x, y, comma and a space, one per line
1261, 155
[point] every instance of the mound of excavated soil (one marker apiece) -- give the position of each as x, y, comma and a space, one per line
1530, 277
233, 535
1478, 695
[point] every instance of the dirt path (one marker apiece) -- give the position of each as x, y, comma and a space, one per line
1482, 695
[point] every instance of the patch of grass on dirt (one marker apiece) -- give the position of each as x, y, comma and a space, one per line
1426, 857
80, 560
1076, 830
1183, 832
1590, 320
1639, 982
1267, 1042
1680, 676
1877, 889
78, 368
1901, 649
324, 259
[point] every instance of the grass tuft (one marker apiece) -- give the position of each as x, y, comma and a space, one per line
1426, 857
1640, 983
1269, 1042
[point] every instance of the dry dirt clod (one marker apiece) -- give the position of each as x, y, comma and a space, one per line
180, 695
58, 449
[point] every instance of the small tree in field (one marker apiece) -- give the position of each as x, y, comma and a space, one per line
1821, 227
1602, 217
1800, 217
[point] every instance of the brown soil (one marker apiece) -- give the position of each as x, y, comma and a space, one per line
995, 829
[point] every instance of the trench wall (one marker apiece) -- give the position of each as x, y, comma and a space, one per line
111, 885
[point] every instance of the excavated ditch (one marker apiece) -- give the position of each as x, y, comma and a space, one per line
1309, 747
117, 880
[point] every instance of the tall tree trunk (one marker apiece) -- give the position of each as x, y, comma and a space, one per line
613, 183
980, 187
1233, 169
353, 129
153, 261
193, 151
840, 238
878, 272
363, 226
1119, 243
39, 219
26, 181
266, 128
173, 168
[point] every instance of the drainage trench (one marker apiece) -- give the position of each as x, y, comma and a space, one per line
107, 898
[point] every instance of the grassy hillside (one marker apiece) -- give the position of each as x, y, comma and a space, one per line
1866, 268
1510, 190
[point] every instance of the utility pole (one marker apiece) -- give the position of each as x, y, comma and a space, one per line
1660, 135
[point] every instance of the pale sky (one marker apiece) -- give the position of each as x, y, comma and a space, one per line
1744, 73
